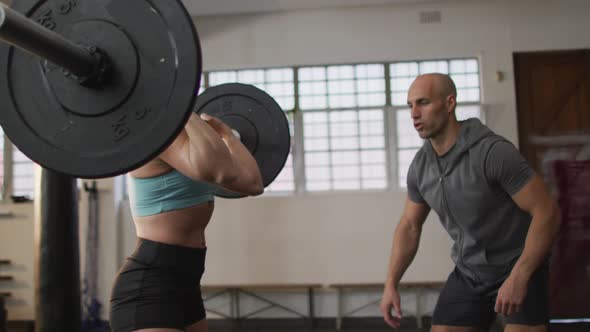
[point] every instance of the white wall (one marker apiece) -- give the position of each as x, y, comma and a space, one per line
335, 237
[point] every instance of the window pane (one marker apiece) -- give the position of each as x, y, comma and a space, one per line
251, 76
318, 173
468, 111
341, 147
370, 71
285, 181
279, 75
312, 74
346, 158
434, 67
373, 171
405, 158
317, 159
340, 72
404, 69
221, 77
464, 73
277, 82
23, 180
340, 87
373, 157
316, 144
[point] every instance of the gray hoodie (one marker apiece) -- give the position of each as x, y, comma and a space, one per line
487, 227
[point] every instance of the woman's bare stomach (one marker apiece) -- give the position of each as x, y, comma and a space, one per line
184, 227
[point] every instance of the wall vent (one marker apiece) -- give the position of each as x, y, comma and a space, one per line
430, 16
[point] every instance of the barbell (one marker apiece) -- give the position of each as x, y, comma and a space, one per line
94, 89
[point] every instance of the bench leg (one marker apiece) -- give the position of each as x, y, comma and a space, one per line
340, 309
418, 308
236, 303
310, 300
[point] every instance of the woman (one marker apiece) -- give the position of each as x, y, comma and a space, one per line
158, 288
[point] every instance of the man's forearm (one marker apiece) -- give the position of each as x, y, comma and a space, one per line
542, 232
403, 251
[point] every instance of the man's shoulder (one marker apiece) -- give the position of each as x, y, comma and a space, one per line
487, 142
419, 160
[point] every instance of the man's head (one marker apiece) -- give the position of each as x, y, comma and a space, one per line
432, 99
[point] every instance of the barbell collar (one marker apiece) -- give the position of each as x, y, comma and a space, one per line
32, 37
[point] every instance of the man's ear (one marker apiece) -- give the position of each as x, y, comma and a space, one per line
451, 102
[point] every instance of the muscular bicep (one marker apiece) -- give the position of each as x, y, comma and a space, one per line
415, 213
534, 196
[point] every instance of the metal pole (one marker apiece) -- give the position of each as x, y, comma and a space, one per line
30, 36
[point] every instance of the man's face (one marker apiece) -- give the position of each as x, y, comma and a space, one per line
429, 109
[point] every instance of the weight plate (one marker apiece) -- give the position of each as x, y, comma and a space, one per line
260, 121
146, 100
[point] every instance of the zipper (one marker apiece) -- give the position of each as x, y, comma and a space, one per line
450, 216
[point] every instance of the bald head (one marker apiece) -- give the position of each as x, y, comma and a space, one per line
440, 84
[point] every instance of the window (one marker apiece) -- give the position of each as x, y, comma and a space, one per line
465, 74
23, 174
20, 178
340, 118
343, 127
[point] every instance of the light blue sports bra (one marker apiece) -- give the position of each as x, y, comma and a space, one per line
167, 192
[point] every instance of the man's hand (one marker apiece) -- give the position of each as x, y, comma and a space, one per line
511, 294
391, 300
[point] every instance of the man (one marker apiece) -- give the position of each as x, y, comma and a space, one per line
498, 212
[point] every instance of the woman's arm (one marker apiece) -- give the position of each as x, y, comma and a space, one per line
206, 150
249, 180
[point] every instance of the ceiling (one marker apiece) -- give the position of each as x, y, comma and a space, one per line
229, 7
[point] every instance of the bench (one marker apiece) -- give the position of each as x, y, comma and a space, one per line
342, 287
253, 290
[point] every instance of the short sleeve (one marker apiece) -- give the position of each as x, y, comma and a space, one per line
506, 166
412, 184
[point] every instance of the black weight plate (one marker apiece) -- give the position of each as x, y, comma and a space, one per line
92, 133
260, 121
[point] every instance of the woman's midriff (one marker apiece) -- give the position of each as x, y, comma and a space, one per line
184, 227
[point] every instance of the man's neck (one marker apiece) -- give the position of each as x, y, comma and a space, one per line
443, 142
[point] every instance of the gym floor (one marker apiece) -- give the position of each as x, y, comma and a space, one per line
358, 327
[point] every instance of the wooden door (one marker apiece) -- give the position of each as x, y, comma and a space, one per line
553, 105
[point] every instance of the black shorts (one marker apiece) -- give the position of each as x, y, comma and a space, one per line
464, 302
158, 287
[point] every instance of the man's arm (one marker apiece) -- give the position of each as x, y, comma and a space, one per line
405, 240
405, 245
508, 168
535, 198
